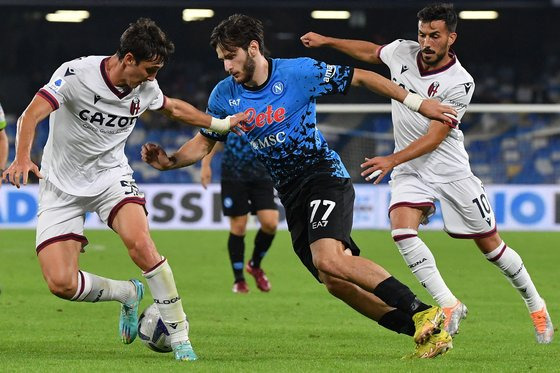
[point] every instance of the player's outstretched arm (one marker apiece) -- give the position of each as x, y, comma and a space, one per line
377, 167
192, 151
358, 49
37, 110
432, 109
182, 111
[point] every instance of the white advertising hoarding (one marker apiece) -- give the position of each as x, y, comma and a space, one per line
189, 206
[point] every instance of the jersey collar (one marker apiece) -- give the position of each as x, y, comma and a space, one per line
110, 85
424, 72
259, 87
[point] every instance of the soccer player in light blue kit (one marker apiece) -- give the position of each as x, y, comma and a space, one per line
278, 97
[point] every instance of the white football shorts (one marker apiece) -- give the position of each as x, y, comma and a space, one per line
465, 207
61, 216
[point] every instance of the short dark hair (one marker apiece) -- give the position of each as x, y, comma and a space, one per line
146, 41
237, 31
439, 12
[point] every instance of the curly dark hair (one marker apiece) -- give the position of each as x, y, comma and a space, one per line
237, 31
146, 41
439, 12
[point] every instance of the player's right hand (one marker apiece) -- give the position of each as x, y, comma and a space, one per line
435, 110
155, 156
377, 167
236, 122
20, 169
313, 40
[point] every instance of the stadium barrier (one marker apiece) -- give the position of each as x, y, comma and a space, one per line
189, 206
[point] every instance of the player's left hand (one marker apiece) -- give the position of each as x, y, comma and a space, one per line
435, 110
377, 167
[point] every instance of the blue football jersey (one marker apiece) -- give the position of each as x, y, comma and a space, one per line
281, 125
239, 161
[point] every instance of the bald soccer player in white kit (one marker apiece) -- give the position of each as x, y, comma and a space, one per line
94, 103
430, 163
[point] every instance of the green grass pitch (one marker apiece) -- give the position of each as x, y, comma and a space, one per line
295, 327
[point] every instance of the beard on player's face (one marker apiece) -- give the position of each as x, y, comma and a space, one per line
248, 70
431, 57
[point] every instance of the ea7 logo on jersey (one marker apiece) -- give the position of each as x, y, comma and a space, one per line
321, 223
432, 90
135, 106
234, 102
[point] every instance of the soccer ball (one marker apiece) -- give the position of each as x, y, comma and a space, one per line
152, 331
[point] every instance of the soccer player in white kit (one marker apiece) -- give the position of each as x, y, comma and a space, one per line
430, 163
94, 103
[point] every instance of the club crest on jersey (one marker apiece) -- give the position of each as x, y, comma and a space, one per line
135, 105
433, 89
278, 88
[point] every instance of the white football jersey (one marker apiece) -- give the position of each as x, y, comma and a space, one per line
90, 124
452, 85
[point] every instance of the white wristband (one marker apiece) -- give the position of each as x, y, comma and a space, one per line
413, 101
220, 125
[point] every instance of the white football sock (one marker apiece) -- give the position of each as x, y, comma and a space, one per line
162, 285
93, 288
511, 265
422, 263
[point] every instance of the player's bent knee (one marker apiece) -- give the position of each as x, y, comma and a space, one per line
326, 263
269, 227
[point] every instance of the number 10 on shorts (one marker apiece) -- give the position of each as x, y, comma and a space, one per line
330, 205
